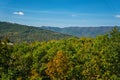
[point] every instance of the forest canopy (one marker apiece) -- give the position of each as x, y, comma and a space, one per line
67, 59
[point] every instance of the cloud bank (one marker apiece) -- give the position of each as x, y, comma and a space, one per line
19, 13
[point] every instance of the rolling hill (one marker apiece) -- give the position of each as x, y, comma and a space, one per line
22, 33
81, 31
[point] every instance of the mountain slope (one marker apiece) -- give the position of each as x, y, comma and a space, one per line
81, 31
20, 33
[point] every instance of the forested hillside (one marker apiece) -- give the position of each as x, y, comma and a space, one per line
81, 31
68, 59
23, 33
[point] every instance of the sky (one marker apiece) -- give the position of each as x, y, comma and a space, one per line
61, 13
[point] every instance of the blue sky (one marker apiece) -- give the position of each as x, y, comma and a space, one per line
61, 13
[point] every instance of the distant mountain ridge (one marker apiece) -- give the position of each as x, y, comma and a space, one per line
81, 31
23, 33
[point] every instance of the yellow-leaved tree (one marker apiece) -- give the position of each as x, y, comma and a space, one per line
58, 67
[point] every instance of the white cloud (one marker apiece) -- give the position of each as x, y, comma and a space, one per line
19, 13
73, 15
117, 16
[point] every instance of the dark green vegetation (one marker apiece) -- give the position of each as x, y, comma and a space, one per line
81, 31
23, 33
68, 59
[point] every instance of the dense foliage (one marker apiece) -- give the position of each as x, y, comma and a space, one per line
19, 33
67, 59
